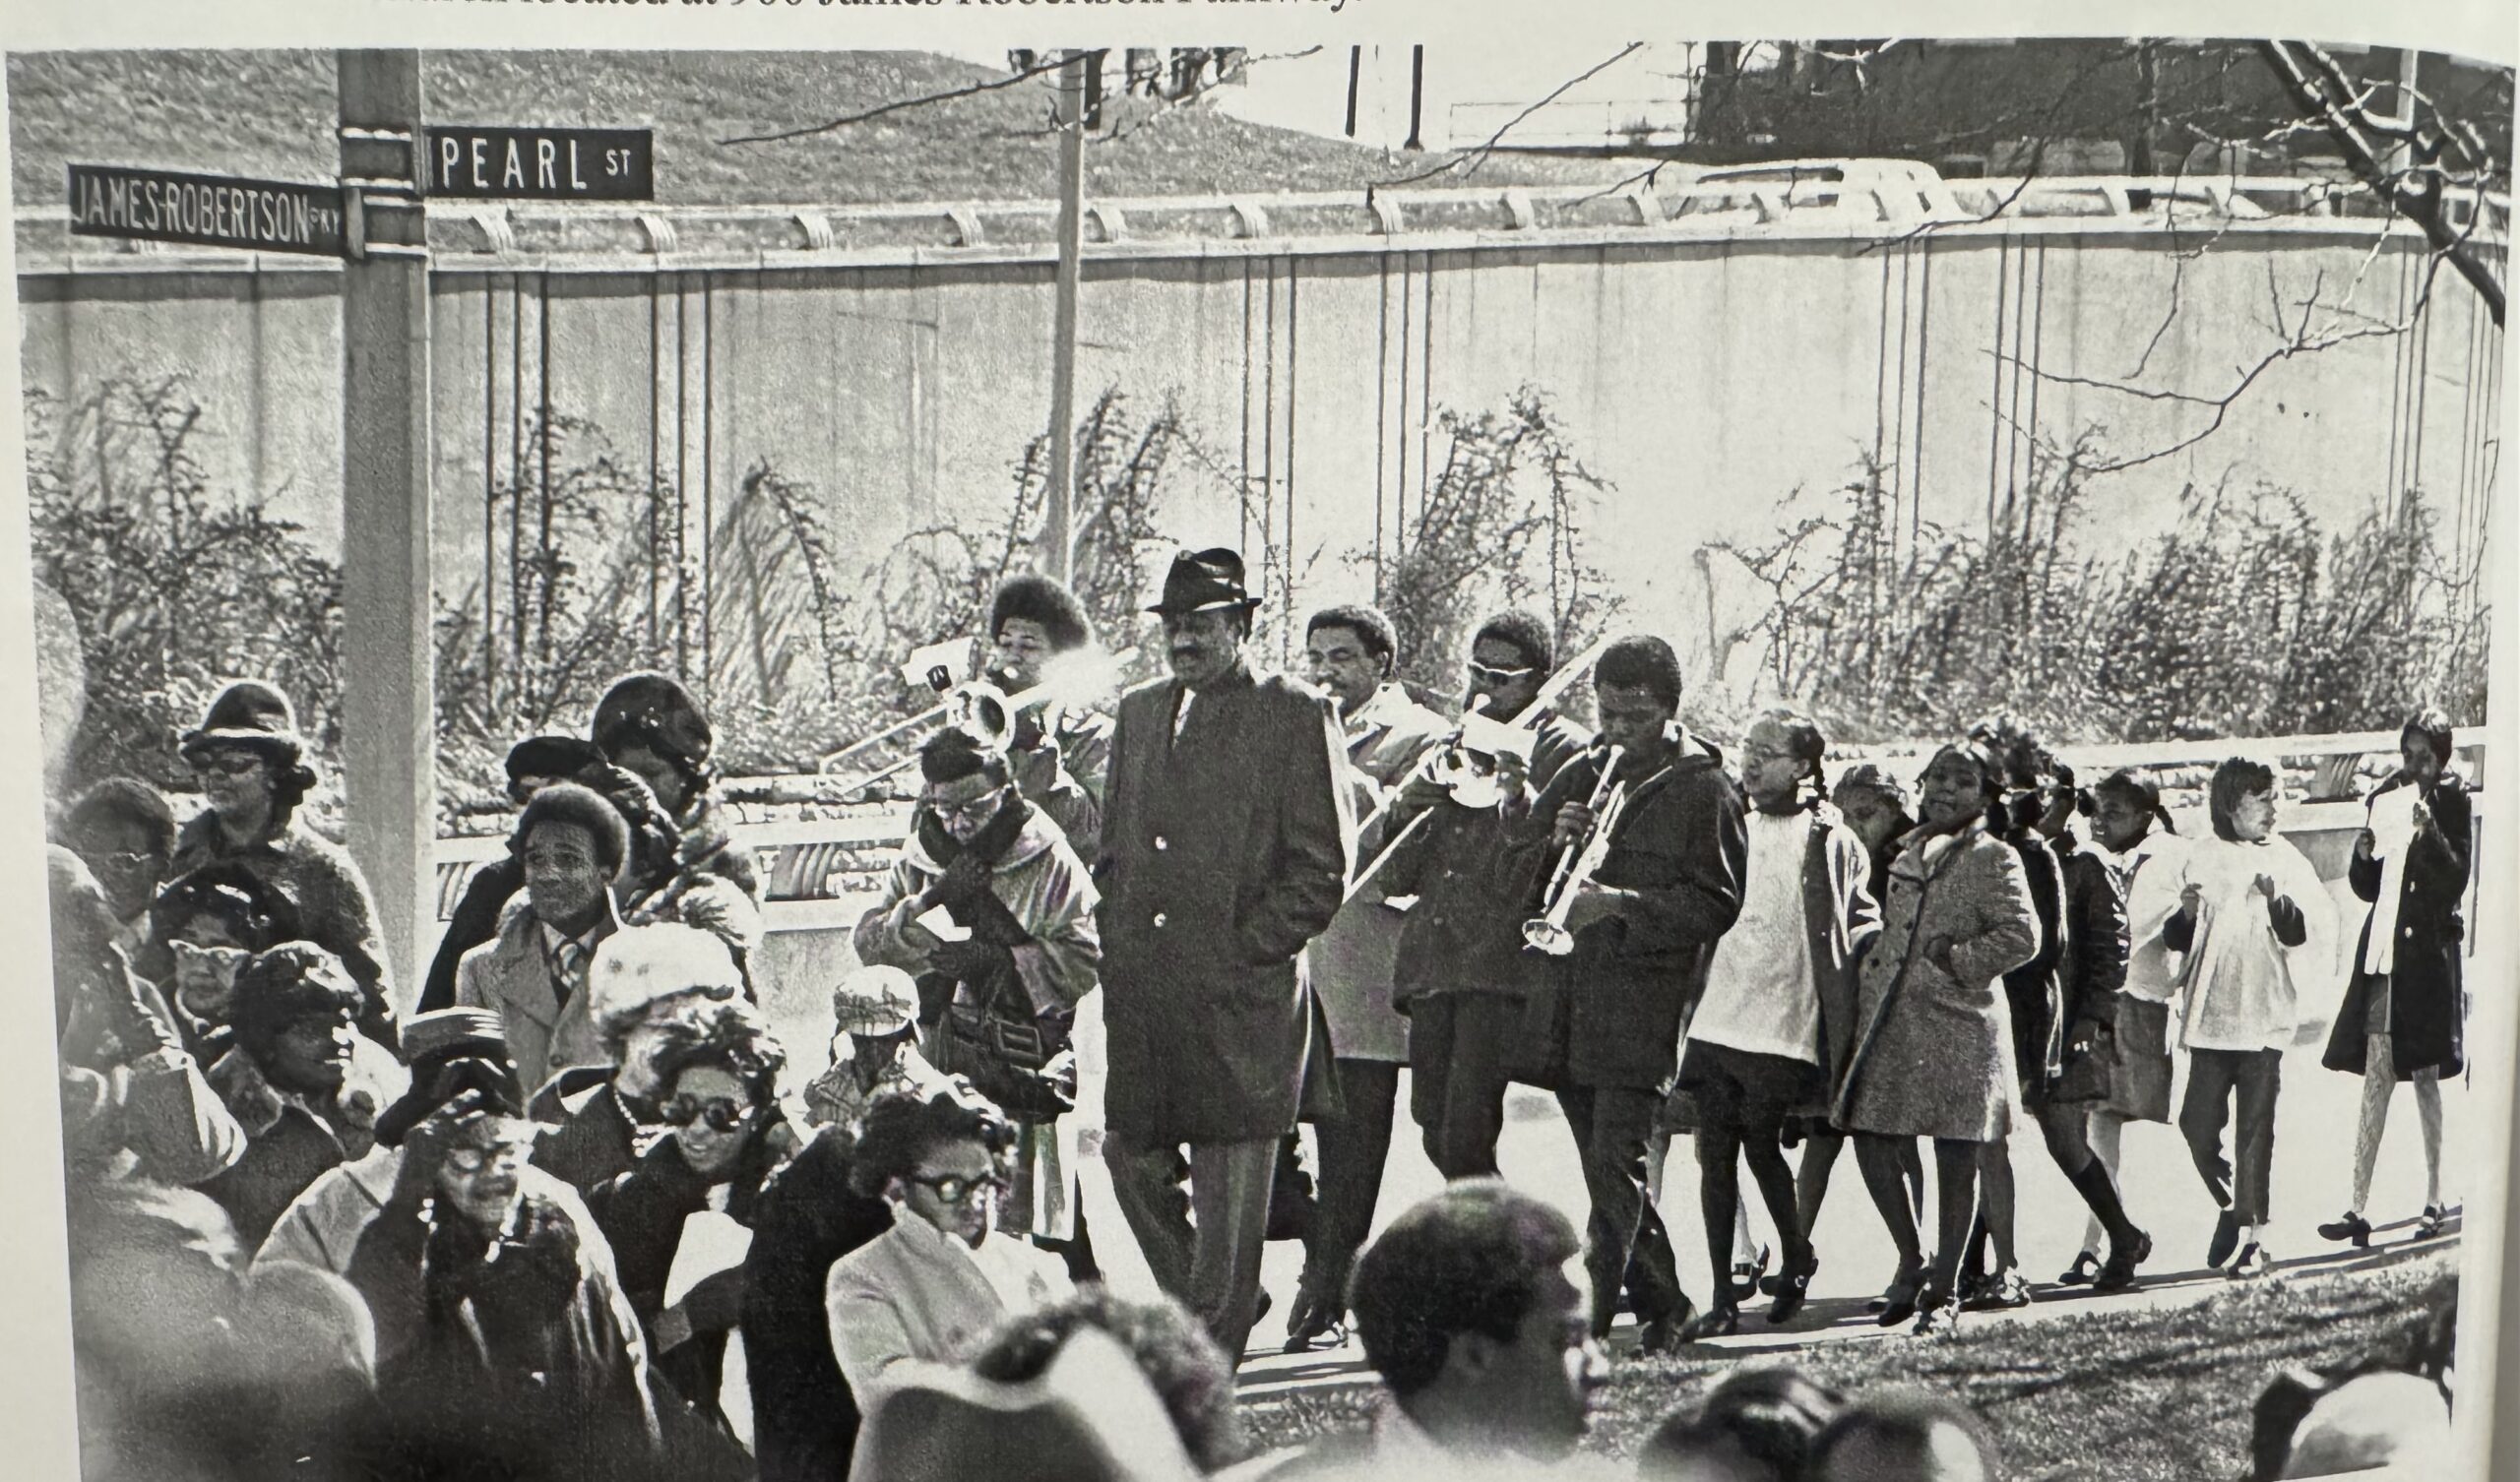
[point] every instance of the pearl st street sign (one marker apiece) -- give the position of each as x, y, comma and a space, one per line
500, 164
208, 211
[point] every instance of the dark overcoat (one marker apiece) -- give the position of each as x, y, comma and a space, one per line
1222, 853
1608, 1014
2428, 1005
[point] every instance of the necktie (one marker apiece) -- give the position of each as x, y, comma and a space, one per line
1182, 716
569, 968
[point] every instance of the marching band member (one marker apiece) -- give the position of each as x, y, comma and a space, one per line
1643, 930
1061, 754
1460, 973
1352, 652
1227, 841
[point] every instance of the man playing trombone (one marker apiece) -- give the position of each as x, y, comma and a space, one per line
1060, 750
1632, 936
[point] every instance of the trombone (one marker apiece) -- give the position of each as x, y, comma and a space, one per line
1579, 861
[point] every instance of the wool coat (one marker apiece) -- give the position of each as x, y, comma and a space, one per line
1841, 922
2427, 998
1465, 934
1933, 1053
805, 1418
1352, 962
511, 976
2035, 991
1225, 852
319, 878
1608, 1014
642, 1213
291, 1141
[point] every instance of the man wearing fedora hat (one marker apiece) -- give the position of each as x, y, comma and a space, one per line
252, 765
1226, 840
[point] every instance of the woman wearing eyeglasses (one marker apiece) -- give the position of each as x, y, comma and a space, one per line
719, 1104
207, 925
251, 763
938, 1282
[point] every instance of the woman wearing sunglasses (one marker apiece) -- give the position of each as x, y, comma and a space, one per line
207, 925
718, 1103
936, 1284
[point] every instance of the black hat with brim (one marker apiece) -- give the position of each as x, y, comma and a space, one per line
1203, 582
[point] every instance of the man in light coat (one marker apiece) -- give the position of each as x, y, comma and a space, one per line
1226, 840
571, 844
1352, 652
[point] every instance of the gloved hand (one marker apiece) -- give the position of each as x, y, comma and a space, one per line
970, 962
965, 880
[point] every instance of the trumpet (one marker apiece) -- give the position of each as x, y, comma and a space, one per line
1579, 861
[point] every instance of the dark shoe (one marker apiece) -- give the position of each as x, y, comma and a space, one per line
1973, 1289
1769, 1286
2086, 1266
2227, 1239
2351, 1227
1720, 1321
1898, 1303
1937, 1316
1999, 1292
2251, 1263
2429, 1227
1793, 1290
2117, 1274
1746, 1275
1662, 1335
1315, 1316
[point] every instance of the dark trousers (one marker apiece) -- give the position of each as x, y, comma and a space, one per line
1215, 1269
1456, 1044
2214, 1079
1353, 1149
1625, 1237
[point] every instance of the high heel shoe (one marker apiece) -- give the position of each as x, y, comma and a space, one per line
1793, 1288
2351, 1227
2118, 1273
1748, 1274
2429, 1227
1722, 1321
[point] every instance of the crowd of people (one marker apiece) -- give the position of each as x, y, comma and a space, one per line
556, 1220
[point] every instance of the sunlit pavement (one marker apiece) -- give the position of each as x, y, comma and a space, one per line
2316, 1116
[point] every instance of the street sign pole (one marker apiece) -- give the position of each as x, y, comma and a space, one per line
1058, 537
388, 723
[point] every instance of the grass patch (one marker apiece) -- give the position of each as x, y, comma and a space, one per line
2139, 1394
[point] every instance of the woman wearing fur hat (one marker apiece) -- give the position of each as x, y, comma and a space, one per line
649, 989
297, 1082
1062, 752
1009, 880
252, 766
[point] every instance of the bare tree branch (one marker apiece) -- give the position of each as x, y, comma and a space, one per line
1469, 162
2350, 124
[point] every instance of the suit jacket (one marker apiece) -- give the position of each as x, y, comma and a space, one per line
1223, 854
512, 977
1352, 963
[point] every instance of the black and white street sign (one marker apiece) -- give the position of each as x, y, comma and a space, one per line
210, 211
464, 161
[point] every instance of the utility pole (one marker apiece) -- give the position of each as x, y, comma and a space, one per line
389, 711
1059, 539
